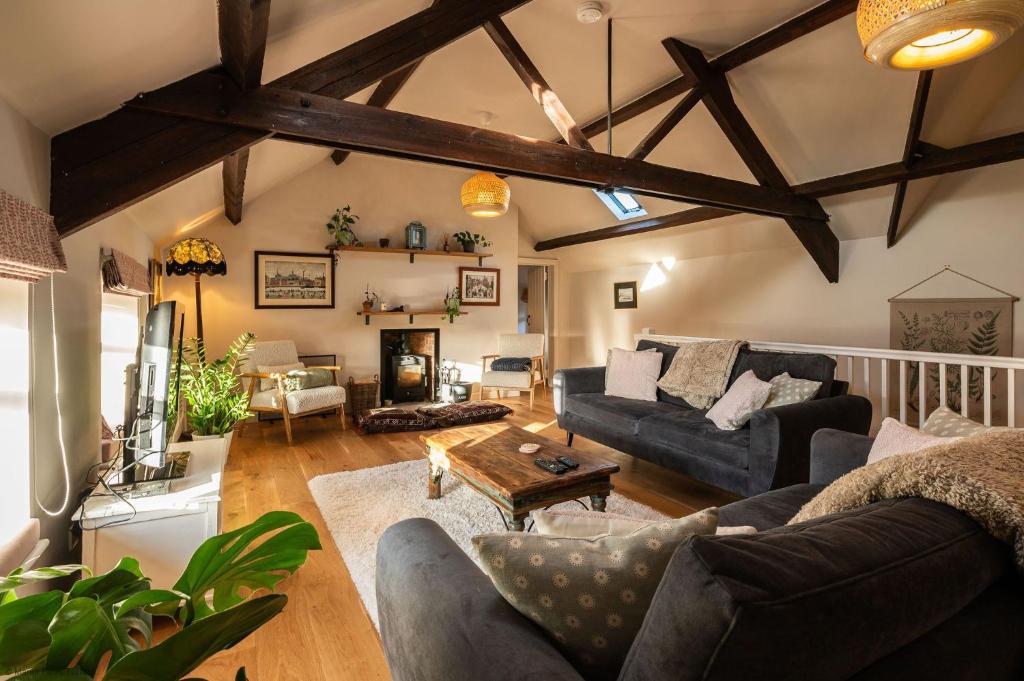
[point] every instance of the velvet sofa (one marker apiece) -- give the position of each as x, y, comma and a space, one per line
900, 589
770, 452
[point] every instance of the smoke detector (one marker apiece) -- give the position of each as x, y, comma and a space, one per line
589, 12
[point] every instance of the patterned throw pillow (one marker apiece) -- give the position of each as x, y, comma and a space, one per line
589, 595
576, 522
465, 413
271, 383
895, 438
393, 421
789, 390
944, 422
512, 364
304, 379
745, 396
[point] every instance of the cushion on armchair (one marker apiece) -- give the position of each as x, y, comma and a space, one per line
304, 379
271, 383
512, 364
301, 401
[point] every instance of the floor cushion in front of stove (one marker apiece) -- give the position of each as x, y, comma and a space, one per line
465, 413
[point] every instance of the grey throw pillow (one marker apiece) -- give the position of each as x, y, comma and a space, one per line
304, 379
789, 390
589, 594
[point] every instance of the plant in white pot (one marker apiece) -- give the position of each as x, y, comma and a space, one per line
212, 391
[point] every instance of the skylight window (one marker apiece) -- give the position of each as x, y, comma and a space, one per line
622, 204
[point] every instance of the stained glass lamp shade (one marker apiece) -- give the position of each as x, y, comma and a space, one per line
196, 257
927, 34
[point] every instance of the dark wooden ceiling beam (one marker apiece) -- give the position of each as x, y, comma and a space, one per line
815, 235
685, 217
932, 161
242, 31
667, 124
797, 27
357, 127
924, 83
106, 165
542, 92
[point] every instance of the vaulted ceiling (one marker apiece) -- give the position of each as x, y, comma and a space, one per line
819, 108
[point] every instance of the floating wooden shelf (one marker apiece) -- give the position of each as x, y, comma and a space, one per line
411, 252
410, 314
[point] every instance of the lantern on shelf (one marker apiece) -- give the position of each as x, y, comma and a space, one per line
927, 34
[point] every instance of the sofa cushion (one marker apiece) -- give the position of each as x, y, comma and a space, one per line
848, 589
616, 412
768, 365
668, 353
691, 432
770, 509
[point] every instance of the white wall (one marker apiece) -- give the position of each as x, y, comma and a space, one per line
386, 194
972, 223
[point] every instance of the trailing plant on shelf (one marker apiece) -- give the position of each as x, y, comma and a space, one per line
214, 400
470, 240
452, 302
340, 227
224, 594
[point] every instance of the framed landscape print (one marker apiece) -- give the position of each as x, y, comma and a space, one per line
480, 285
625, 295
293, 280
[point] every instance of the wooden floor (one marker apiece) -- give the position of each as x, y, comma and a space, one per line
324, 632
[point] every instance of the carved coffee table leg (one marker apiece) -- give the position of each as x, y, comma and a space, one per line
434, 475
597, 502
517, 524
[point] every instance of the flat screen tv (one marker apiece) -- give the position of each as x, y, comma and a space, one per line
147, 444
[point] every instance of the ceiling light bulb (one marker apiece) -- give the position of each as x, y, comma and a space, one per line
927, 34
589, 12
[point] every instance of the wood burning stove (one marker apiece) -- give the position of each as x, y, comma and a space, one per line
408, 378
408, 364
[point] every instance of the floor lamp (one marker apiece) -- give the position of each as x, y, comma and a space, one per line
196, 257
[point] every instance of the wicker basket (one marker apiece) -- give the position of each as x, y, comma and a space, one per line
363, 394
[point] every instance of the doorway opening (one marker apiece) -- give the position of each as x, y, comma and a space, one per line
535, 306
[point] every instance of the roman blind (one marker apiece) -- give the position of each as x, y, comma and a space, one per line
29, 245
125, 275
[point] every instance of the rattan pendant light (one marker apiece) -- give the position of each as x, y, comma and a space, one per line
485, 195
927, 34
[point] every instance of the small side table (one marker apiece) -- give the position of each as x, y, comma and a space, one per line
456, 392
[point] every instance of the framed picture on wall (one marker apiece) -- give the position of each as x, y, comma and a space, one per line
625, 295
480, 285
293, 280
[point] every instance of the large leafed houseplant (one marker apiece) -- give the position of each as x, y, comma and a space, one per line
214, 400
106, 621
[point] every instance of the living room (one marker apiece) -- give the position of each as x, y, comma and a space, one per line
560, 339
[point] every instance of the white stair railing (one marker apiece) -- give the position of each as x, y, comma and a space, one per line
891, 379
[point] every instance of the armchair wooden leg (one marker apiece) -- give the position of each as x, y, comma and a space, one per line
341, 412
287, 424
531, 398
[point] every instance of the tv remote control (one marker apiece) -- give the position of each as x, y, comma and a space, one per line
551, 466
568, 462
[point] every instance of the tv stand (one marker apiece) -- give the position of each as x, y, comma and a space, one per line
166, 529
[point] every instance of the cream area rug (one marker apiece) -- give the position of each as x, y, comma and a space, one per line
359, 505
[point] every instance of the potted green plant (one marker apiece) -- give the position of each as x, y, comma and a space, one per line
470, 241
211, 389
452, 304
340, 227
106, 621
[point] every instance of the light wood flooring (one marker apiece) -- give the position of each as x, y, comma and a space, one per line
324, 633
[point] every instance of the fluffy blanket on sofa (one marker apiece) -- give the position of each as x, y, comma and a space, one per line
981, 475
699, 373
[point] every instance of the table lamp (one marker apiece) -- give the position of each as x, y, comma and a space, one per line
196, 256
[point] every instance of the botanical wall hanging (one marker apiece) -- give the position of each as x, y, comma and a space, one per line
970, 326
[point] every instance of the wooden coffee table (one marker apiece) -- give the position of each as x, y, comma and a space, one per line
487, 458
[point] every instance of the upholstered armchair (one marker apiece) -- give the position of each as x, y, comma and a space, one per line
515, 345
266, 368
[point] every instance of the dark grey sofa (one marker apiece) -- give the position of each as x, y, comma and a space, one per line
769, 453
900, 589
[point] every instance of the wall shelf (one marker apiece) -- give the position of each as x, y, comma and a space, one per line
410, 314
411, 252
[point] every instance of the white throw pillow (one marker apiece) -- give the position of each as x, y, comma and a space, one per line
743, 398
944, 422
578, 523
633, 375
789, 390
271, 383
894, 439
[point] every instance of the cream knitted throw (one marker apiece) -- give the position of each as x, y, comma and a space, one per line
700, 371
981, 475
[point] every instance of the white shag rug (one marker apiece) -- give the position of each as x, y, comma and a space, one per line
359, 505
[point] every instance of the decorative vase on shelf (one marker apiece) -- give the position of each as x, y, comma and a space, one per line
469, 247
384, 242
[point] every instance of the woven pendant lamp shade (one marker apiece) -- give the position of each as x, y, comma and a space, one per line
485, 195
927, 34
